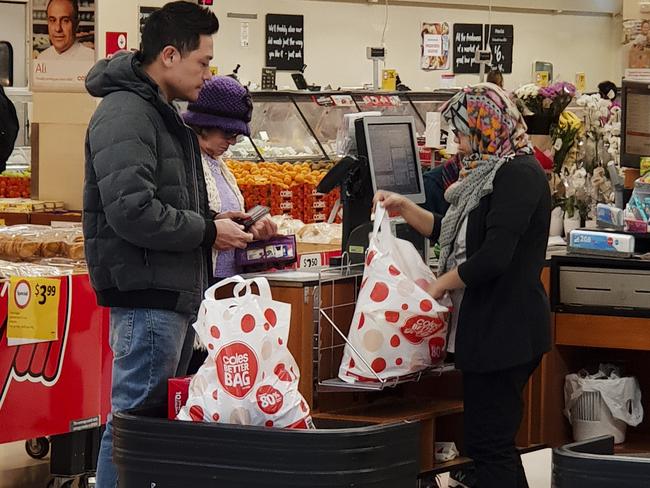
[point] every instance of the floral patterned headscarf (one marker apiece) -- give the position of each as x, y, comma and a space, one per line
497, 133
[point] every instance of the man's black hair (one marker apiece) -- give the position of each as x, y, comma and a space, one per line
179, 24
75, 11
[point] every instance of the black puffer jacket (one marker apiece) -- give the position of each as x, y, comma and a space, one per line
146, 221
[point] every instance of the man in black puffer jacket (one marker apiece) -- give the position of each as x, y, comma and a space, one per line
8, 128
146, 223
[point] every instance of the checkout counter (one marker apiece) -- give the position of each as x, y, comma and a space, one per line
385, 158
601, 313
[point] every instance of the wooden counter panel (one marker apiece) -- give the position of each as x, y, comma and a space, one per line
300, 333
386, 412
602, 331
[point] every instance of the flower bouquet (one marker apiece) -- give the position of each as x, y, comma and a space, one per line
577, 197
564, 134
603, 129
542, 106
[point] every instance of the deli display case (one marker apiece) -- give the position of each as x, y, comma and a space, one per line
424, 102
278, 132
390, 104
324, 113
289, 126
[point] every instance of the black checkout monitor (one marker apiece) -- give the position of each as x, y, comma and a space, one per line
390, 145
387, 159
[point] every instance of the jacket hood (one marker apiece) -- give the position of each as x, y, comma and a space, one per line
122, 72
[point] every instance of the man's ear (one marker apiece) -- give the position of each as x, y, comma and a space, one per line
169, 55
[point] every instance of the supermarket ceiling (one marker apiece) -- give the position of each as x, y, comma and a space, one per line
598, 7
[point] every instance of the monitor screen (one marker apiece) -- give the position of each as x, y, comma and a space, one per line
635, 130
393, 156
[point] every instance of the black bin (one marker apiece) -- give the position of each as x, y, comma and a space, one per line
592, 464
151, 451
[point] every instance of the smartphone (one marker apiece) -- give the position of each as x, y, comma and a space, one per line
256, 214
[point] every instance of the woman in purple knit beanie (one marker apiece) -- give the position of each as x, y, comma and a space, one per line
220, 117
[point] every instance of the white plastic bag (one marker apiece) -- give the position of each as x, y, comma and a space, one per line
249, 377
446, 451
397, 328
621, 395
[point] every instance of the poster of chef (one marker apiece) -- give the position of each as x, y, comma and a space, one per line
63, 49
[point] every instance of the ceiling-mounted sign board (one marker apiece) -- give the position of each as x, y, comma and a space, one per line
468, 38
501, 40
285, 42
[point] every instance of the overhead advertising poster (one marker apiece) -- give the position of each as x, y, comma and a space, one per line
500, 40
63, 35
435, 46
285, 42
468, 38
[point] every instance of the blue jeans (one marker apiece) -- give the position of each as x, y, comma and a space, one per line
149, 346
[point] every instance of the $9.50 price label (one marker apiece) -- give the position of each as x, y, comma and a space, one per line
33, 308
310, 261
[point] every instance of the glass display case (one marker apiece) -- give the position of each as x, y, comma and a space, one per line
429, 101
324, 113
20, 159
300, 126
22, 100
278, 132
397, 103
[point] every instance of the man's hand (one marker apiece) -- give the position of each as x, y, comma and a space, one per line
264, 229
233, 215
230, 235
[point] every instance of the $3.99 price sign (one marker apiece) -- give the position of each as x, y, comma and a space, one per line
33, 308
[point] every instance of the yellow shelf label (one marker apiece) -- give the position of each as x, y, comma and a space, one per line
33, 308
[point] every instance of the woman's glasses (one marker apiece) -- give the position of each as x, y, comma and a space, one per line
233, 137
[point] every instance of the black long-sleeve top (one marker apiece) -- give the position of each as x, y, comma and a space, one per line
504, 317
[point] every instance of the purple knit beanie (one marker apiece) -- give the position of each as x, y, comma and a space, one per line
223, 103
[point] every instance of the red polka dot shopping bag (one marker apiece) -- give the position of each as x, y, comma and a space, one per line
249, 377
397, 328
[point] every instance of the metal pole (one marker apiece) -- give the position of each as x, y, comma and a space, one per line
375, 74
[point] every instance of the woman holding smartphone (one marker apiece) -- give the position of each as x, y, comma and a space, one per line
220, 117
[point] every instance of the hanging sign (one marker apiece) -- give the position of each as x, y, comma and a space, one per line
285, 37
500, 40
468, 38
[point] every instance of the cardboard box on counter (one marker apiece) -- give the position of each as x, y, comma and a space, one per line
14, 218
307, 247
177, 393
316, 255
46, 218
631, 175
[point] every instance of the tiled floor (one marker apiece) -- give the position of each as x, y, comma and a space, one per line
18, 470
538, 469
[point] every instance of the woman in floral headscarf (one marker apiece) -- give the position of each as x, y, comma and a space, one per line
493, 244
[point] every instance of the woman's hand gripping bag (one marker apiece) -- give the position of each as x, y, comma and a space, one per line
397, 328
249, 377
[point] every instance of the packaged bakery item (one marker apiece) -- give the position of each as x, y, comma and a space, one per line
249, 377
33, 242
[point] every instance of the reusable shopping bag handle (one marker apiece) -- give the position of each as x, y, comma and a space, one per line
210, 292
262, 286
